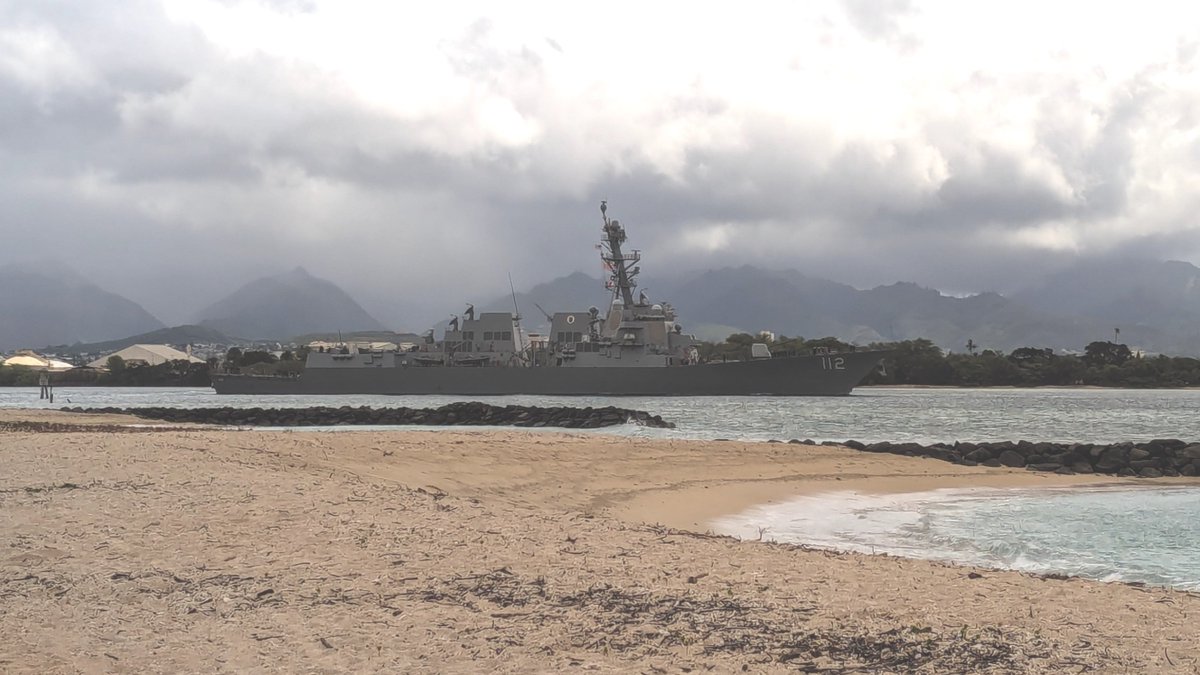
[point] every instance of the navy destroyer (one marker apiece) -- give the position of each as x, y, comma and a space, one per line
635, 348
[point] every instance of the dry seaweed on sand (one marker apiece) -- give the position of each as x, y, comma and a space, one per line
641, 622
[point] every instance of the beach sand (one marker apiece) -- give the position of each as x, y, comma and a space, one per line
472, 551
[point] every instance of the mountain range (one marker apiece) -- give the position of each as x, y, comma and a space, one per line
281, 306
47, 303
1155, 306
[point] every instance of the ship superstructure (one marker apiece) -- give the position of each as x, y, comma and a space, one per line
637, 347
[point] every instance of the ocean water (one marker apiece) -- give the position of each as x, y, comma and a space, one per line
870, 414
1147, 534
1134, 534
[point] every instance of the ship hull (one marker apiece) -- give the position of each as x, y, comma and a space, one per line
819, 375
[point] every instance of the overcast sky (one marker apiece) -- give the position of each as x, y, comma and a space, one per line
415, 154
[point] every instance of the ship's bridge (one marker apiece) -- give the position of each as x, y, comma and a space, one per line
569, 328
491, 332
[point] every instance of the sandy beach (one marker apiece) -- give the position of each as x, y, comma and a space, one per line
193, 549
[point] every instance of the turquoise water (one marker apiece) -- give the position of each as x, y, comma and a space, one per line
1135, 534
1149, 534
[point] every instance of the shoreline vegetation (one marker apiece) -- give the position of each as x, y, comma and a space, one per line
920, 363
915, 363
196, 548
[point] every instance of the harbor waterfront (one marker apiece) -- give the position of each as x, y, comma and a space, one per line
635, 346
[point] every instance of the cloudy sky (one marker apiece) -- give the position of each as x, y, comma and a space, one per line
416, 154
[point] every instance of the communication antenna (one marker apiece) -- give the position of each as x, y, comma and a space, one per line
518, 337
513, 290
544, 313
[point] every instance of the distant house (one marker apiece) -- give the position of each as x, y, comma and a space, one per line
31, 360
353, 345
150, 355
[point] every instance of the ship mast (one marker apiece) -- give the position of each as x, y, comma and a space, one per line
518, 336
621, 276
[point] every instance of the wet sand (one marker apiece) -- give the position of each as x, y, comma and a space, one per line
467, 551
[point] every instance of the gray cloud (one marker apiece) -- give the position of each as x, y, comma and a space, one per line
172, 172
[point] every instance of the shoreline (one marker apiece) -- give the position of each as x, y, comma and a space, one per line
460, 550
927, 525
695, 507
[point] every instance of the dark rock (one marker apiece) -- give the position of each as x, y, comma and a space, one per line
1082, 467
1188, 470
1011, 458
1047, 449
1191, 451
944, 454
1150, 472
1064, 470
993, 463
1113, 457
979, 455
453, 413
1137, 454
1126, 472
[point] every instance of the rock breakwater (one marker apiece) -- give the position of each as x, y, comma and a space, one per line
1151, 459
457, 414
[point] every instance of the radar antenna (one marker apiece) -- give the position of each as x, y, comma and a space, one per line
617, 263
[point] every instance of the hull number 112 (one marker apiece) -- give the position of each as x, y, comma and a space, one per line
833, 363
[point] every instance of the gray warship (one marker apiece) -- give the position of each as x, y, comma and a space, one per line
635, 348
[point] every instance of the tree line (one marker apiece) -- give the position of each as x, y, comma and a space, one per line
180, 373
920, 362
911, 362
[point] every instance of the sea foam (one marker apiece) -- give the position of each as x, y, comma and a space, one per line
1132, 534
